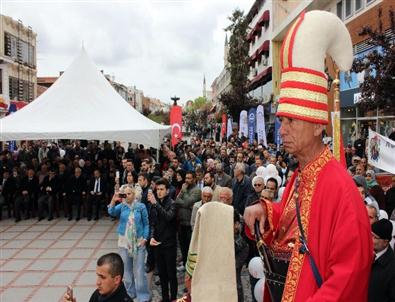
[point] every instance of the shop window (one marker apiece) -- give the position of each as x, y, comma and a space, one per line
348, 8
358, 5
339, 9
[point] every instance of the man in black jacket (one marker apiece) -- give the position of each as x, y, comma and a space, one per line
97, 190
27, 195
382, 278
163, 238
77, 192
49, 190
110, 288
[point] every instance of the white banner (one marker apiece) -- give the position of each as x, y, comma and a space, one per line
243, 124
381, 152
229, 128
260, 125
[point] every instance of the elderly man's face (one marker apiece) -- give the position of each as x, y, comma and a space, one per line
297, 135
225, 198
206, 197
372, 214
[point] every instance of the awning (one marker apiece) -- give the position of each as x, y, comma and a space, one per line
264, 18
262, 78
264, 47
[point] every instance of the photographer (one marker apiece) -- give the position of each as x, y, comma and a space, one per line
133, 231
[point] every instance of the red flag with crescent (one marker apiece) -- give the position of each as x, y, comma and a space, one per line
176, 124
223, 127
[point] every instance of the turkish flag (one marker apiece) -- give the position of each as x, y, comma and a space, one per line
176, 124
223, 126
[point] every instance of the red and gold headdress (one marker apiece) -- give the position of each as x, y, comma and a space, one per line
303, 90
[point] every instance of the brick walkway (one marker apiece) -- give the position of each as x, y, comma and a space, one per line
39, 259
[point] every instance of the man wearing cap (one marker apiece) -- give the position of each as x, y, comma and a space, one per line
317, 239
382, 278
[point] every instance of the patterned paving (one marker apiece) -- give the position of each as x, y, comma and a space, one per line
39, 259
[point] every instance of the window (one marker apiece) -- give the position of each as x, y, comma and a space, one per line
369, 1
339, 9
348, 8
358, 5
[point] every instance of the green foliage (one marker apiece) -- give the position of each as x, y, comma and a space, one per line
160, 117
237, 99
378, 88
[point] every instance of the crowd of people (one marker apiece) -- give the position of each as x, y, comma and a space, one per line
156, 198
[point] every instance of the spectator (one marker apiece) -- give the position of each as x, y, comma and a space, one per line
207, 196
163, 238
241, 186
47, 199
258, 184
382, 278
272, 183
133, 231
267, 194
77, 193
373, 213
209, 181
29, 190
97, 190
110, 288
241, 252
188, 196
221, 178
226, 196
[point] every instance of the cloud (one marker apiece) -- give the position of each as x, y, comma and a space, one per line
164, 47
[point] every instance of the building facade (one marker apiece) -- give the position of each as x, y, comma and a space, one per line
18, 62
221, 83
356, 120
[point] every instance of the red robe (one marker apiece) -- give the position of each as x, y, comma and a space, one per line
337, 229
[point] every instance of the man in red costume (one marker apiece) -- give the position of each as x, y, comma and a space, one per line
333, 216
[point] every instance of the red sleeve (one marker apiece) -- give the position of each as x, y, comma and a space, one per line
273, 211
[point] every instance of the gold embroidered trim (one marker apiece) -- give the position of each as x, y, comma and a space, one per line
302, 111
304, 77
269, 215
191, 263
308, 180
304, 94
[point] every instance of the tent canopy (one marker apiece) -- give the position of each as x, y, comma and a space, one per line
82, 104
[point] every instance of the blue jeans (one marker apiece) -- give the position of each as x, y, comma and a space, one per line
135, 278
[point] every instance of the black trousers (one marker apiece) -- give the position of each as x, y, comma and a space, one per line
23, 203
43, 202
77, 199
165, 258
184, 237
94, 201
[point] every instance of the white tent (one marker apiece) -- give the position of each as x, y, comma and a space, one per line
82, 104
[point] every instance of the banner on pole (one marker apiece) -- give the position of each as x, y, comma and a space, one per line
251, 125
381, 152
229, 128
243, 125
223, 125
277, 137
260, 125
176, 124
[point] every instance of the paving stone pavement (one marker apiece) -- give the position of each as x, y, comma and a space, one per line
39, 259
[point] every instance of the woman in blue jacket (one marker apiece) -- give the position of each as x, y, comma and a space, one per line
133, 232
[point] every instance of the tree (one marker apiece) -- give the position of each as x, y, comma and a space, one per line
237, 98
378, 87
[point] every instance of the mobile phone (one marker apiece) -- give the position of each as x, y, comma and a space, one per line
117, 174
122, 195
70, 292
149, 190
